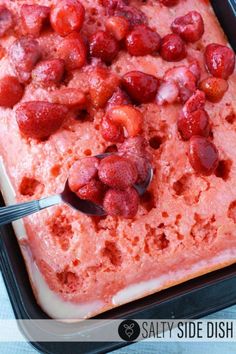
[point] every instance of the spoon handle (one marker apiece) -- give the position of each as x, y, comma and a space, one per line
14, 212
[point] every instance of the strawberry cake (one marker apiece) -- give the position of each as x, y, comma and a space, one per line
150, 82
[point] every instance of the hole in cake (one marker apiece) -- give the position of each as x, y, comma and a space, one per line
111, 148
147, 200
135, 241
155, 142
204, 229
112, 253
223, 169
118, 69
230, 118
55, 170
180, 237
179, 186
190, 187
93, 11
29, 186
68, 76
155, 241
88, 152
76, 262
61, 230
232, 211
68, 280
165, 214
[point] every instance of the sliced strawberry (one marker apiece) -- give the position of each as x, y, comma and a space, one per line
121, 203
168, 92
117, 172
194, 123
203, 155
67, 16
93, 191
39, 119
172, 48
220, 60
214, 88
118, 27
24, 53
142, 40
140, 87
102, 45
33, 18
190, 27
184, 79
103, 83
195, 102
49, 72
112, 132
11, 91
6, 20
82, 172
127, 116
73, 51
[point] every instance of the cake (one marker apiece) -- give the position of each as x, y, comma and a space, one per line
153, 80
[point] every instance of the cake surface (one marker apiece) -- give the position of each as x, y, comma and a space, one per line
185, 226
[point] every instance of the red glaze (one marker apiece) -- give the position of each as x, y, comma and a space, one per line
127, 116
67, 16
33, 18
121, 203
214, 88
169, 3
172, 48
24, 53
220, 60
117, 172
102, 45
140, 87
103, 83
93, 191
70, 97
118, 98
195, 123
190, 27
196, 101
49, 72
73, 51
112, 132
142, 40
203, 155
39, 119
118, 27
184, 79
6, 20
11, 91
82, 172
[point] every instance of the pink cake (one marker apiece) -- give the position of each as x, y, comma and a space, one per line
82, 78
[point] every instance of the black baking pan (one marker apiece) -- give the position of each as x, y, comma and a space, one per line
192, 299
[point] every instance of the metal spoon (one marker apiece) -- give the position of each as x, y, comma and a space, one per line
17, 211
